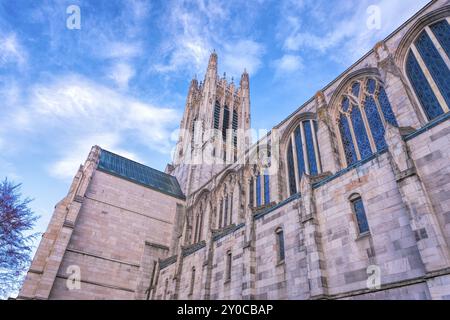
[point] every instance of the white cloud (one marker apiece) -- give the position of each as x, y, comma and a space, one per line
67, 165
122, 50
288, 63
11, 51
121, 73
190, 41
74, 113
196, 28
244, 54
342, 33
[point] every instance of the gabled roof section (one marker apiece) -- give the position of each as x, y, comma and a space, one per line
138, 173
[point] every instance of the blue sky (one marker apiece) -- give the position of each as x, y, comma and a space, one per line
121, 80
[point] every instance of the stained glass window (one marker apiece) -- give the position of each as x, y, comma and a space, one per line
386, 107
375, 123
258, 190
310, 148
226, 119
358, 208
435, 64
371, 84
360, 133
355, 89
422, 88
345, 104
372, 104
266, 189
349, 149
304, 159
441, 30
291, 170
299, 148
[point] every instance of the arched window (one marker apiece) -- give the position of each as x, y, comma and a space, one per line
225, 212
230, 219
217, 115
251, 192
191, 290
220, 213
228, 267
199, 225
258, 190
302, 153
193, 131
225, 123
280, 244
266, 188
359, 213
197, 221
234, 126
166, 287
427, 68
291, 170
363, 111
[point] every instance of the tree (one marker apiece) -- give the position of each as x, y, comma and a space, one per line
16, 241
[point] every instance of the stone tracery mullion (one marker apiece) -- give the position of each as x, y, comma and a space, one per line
362, 109
352, 132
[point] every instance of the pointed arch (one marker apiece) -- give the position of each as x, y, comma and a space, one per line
424, 54
360, 111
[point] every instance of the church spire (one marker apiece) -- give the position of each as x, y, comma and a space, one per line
212, 64
244, 80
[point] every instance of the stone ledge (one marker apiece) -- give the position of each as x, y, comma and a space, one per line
68, 224
78, 199
262, 213
190, 249
104, 285
167, 262
428, 126
388, 286
157, 245
102, 258
218, 234
405, 174
35, 271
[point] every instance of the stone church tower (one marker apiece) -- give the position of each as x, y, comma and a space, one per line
214, 128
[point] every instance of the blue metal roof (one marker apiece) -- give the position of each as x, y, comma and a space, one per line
139, 173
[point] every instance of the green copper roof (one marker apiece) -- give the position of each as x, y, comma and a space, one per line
138, 173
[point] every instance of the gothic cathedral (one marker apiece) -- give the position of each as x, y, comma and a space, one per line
347, 198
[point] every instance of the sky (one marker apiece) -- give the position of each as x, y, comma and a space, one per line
120, 80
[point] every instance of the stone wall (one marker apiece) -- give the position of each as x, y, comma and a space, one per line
121, 228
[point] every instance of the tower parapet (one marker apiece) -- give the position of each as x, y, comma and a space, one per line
215, 110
